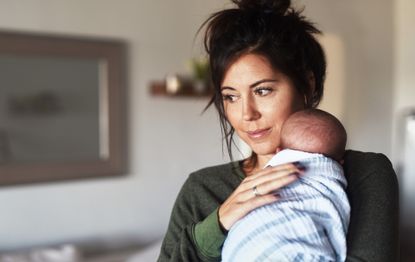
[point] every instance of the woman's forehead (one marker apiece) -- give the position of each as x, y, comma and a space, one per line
248, 69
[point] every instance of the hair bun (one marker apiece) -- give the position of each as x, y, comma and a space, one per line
275, 6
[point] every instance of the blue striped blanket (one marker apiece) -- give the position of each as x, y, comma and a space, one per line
308, 223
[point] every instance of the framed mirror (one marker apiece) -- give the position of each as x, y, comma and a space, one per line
61, 108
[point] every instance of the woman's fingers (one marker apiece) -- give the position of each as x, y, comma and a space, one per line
271, 174
231, 211
268, 186
258, 202
257, 190
268, 170
290, 168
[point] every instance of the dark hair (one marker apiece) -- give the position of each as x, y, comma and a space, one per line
270, 28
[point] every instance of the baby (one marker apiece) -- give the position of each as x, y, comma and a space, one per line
310, 221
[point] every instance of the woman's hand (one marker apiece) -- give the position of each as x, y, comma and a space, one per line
255, 191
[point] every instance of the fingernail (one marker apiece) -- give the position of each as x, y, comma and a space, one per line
295, 173
300, 166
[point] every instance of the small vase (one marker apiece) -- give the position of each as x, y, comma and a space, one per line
199, 86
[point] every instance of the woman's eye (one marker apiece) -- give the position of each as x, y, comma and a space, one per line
230, 98
263, 91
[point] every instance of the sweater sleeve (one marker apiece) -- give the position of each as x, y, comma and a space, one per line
374, 198
191, 235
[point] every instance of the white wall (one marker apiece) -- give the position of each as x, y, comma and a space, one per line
405, 54
404, 92
404, 143
163, 133
366, 27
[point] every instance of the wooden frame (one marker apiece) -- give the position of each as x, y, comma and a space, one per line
111, 111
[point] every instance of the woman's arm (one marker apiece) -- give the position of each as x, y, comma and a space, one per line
188, 222
194, 233
374, 198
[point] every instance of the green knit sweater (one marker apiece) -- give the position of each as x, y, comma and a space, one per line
194, 233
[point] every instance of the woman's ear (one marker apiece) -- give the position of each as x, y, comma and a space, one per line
312, 86
311, 81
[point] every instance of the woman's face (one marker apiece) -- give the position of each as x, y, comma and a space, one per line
257, 100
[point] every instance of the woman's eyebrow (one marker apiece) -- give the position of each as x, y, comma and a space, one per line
227, 87
262, 81
251, 85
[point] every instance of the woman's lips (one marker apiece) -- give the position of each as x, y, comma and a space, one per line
259, 133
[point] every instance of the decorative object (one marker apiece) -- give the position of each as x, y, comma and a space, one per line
197, 84
61, 108
201, 75
43, 102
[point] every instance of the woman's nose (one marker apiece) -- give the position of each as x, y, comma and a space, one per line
250, 111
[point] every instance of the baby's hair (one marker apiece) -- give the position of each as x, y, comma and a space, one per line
316, 131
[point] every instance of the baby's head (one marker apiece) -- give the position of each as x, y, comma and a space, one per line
314, 131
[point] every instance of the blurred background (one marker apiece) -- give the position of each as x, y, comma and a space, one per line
370, 87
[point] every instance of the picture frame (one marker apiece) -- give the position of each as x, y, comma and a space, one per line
62, 107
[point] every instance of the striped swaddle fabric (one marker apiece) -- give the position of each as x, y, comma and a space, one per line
308, 223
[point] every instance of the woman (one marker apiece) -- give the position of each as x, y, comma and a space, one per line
266, 65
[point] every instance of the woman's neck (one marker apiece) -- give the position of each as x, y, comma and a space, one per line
255, 163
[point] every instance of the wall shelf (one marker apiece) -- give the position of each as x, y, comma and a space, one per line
185, 89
